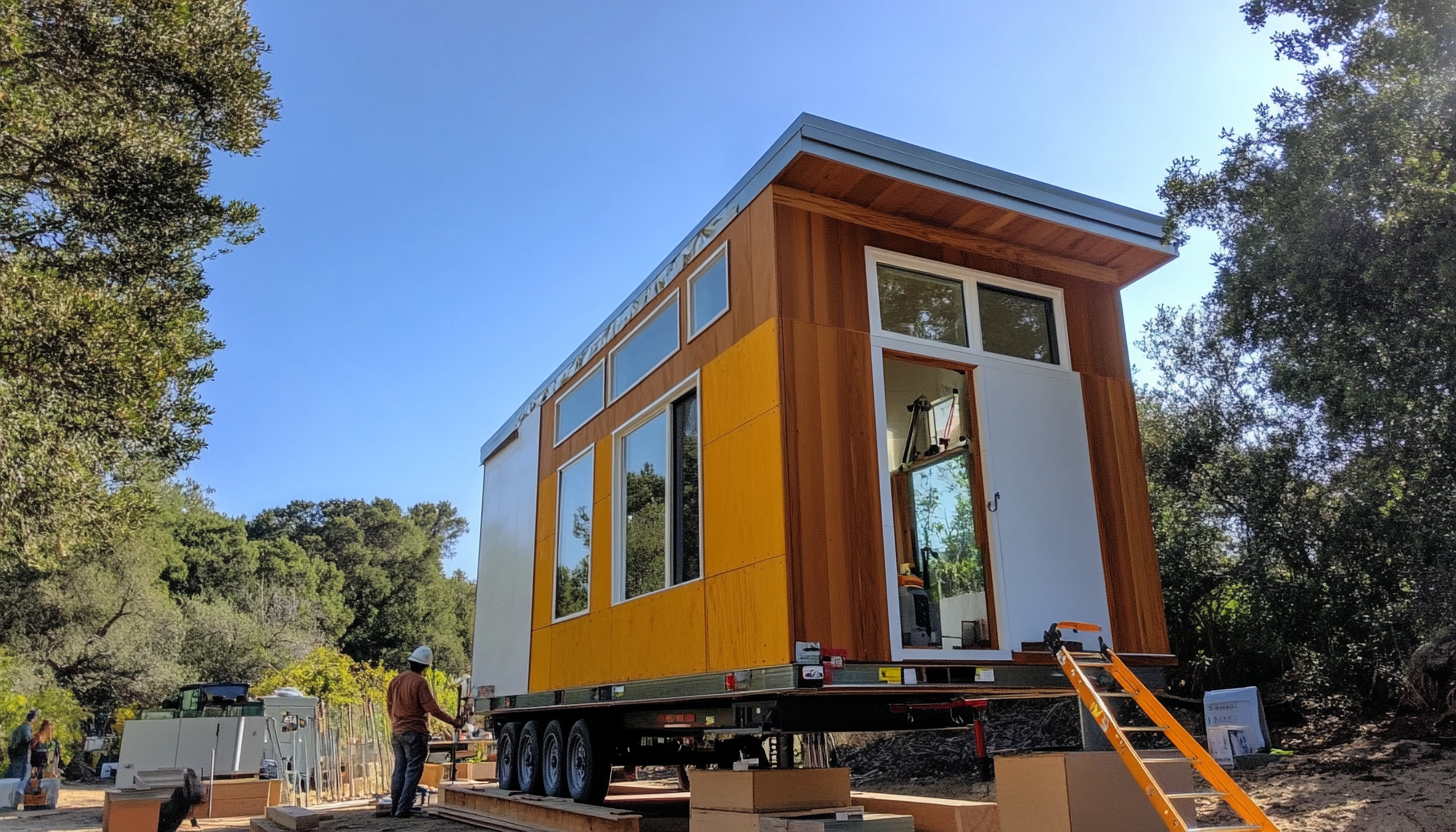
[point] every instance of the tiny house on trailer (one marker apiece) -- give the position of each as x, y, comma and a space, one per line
835, 465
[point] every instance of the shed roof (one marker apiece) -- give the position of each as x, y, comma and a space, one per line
812, 157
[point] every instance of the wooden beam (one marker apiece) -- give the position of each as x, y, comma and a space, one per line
848, 212
293, 817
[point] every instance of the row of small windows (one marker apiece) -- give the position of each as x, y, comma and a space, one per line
647, 347
657, 509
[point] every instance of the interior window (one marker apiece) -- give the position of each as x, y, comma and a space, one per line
584, 401
939, 558
647, 348
922, 305
708, 294
1017, 324
573, 537
661, 487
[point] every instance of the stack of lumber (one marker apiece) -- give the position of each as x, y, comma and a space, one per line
782, 800
508, 811
934, 814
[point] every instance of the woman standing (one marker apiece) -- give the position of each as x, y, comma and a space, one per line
40, 750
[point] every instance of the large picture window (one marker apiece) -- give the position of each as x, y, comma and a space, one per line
645, 349
660, 499
573, 536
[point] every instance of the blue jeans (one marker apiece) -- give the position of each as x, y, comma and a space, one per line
410, 749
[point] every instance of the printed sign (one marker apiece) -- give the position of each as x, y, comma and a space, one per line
890, 675
807, 652
985, 674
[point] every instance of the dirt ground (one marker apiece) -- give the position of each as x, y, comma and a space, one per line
1365, 783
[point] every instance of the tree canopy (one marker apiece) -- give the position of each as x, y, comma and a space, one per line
109, 113
1301, 433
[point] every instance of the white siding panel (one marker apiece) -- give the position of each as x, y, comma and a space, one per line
1048, 555
507, 560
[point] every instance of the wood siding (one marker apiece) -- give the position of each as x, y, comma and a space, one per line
836, 547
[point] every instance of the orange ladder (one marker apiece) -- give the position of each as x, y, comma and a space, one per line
1076, 664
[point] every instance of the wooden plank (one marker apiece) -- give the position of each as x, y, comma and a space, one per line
743, 500
518, 812
970, 242
293, 817
1124, 525
836, 551
661, 634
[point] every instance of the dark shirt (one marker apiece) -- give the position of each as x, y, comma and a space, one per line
20, 738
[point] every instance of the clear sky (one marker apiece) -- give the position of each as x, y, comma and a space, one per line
459, 191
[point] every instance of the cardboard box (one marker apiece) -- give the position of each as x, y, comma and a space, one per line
715, 820
1083, 791
933, 814
235, 799
770, 790
432, 775
132, 810
478, 771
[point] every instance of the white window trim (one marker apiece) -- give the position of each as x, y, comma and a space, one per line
626, 339
556, 411
590, 450
619, 505
720, 252
968, 278
898, 651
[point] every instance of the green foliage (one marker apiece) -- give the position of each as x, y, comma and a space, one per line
326, 673
23, 687
110, 112
1301, 438
945, 521
390, 562
645, 535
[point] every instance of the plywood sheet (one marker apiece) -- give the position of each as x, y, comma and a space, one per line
743, 495
541, 659
662, 634
742, 383
748, 618
581, 651
542, 606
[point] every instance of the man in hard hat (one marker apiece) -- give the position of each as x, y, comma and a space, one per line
410, 705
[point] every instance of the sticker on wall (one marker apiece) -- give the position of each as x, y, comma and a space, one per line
806, 652
985, 674
890, 675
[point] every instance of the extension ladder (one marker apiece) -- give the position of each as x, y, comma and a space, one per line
1075, 665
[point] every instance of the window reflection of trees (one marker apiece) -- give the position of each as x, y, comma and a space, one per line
573, 583
922, 306
946, 523
646, 531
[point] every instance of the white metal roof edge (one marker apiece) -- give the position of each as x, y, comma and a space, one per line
880, 154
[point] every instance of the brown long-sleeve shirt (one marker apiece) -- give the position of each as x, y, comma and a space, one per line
409, 699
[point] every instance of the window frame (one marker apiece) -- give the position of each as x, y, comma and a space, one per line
588, 451
556, 408
968, 278
662, 405
650, 317
720, 253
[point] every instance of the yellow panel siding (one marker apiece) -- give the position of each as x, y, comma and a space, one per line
741, 383
581, 651
659, 635
546, 506
601, 555
743, 496
540, 678
542, 602
748, 623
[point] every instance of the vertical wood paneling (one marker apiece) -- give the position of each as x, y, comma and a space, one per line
837, 553
1129, 554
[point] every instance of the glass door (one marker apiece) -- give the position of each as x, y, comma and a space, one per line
943, 585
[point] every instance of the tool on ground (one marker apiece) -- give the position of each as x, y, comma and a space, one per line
1079, 665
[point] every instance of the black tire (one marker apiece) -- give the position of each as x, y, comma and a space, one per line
507, 753
528, 776
588, 766
553, 760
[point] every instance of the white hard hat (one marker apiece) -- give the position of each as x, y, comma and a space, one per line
423, 655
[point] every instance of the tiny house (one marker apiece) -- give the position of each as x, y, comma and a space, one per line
874, 414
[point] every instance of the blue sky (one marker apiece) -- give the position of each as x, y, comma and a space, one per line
457, 194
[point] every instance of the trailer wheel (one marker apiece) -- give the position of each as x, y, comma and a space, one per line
529, 769
553, 759
507, 755
588, 766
